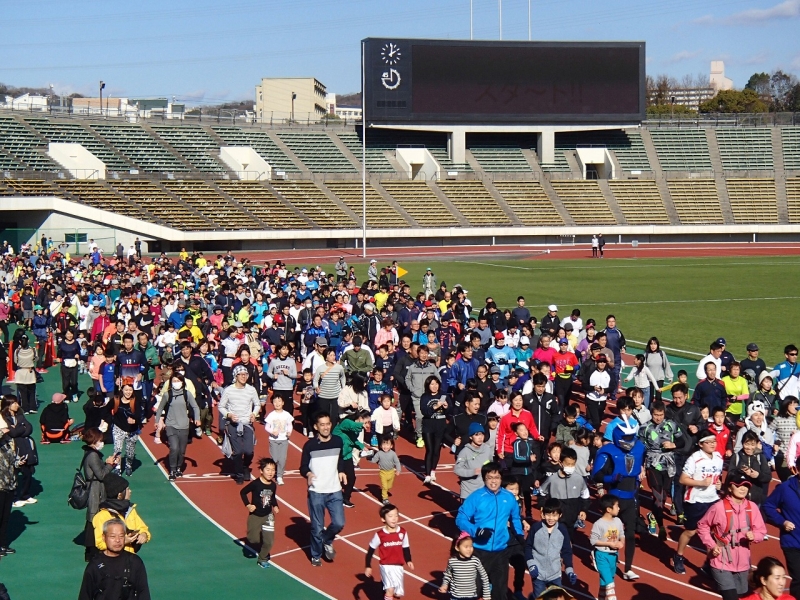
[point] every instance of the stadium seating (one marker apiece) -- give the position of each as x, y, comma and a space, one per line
500, 159
261, 202
75, 133
31, 187
194, 144
793, 199
313, 202
529, 202
317, 151
22, 146
627, 145
380, 214
682, 149
753, 200
418, 200
696, 201
144, 151
260, 142
745, 148
474, 201
150, 196
584, 201
376, 159
640, 201
95, 194
790, 136
208, 202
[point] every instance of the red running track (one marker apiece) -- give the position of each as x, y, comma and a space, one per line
427, 512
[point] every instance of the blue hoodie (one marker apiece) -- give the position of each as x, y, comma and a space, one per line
484, 509
783, 504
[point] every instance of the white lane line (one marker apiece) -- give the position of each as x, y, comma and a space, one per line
225, 531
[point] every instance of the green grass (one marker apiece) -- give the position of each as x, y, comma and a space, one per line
687, 303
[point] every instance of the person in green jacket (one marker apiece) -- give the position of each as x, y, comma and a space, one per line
350, 429
150, 352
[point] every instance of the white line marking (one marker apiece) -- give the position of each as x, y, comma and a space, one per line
222, 529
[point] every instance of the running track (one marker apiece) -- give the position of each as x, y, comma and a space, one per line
427, 512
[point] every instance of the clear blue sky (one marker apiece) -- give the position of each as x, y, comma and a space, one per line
207, 52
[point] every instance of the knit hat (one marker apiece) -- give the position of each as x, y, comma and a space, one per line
115, 485
476, 428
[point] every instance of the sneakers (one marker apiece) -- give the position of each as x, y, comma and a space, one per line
630, 576
580, 524
172, 476
672, 511
420, 442
128, 470
264, 564
310, 434
316, 562
280, 480
652, 525
678, 565
330, 553
681, 519
433, 475
305, 432
662, 534
385, 502
348, 504
6, 551
19, 503
31, 500
427, 479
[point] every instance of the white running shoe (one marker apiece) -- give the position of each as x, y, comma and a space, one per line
427, 479
31, 501
19, 503
280, 480
630, 576
433, 475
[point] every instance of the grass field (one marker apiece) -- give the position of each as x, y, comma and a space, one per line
687, 303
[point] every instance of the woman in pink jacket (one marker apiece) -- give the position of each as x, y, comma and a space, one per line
505, 430
727, 530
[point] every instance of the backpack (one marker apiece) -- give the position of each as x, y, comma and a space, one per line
726, 538
170, 397
79, 493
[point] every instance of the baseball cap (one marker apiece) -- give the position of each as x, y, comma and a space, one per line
373, 261
552, 308
595, 346
499, 336
752, 347
602, 358
495, 369
739, 479
563, 341
524, 341
721, 341
357, 341
569, 327
476, 428
321, 341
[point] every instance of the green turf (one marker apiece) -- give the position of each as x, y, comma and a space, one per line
188, 556
686, 302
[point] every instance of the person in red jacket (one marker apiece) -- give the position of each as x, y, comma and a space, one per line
769, 578
721, 432
505, 430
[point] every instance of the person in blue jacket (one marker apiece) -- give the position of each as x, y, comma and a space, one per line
485, 515
782, 508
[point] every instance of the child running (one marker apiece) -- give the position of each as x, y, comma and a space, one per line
607, 540
279, 427
547, 546
394, 553
388, 465
465, 572
263, 506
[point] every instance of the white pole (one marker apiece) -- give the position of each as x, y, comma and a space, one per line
529, 20
470, 19
363, 154
500, 11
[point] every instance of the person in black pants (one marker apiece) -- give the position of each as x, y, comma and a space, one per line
20, 430
433, 405
70, 355
8, 483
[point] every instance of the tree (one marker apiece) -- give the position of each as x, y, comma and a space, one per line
735, 101
669, 109
781, 86
760, 84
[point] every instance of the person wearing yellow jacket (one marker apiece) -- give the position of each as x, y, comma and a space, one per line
118, 506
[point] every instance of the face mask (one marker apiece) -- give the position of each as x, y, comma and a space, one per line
176, 385
99, 445
569, 470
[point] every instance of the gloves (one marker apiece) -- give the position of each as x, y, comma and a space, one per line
572, 577
533, 569
483, 535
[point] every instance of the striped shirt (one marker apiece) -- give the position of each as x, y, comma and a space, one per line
462, 575
332, 383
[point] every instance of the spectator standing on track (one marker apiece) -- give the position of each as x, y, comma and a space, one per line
702, 474
753, 362
782, 508
727, 530
484, 515
240, 407
323, 467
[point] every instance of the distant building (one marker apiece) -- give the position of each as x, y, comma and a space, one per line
692, 98
330, 103
300, 99
350, 113
131, 108
717, 79
27, 102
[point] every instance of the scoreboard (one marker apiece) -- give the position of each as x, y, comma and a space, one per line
413, 81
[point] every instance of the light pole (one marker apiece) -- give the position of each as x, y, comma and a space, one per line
363, 152
500, 12
470, 19
102, 86
293, 97
529, 20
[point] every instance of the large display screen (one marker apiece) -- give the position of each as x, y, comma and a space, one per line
442, 81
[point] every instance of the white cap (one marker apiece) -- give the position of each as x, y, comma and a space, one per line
524, 340
373, 261
553, 308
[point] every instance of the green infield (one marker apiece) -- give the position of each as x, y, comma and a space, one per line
686, 302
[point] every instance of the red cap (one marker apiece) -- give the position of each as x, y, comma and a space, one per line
499, 336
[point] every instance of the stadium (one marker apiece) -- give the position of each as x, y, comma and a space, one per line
530, 174
466, 152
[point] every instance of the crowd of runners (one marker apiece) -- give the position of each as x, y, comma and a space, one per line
218, 346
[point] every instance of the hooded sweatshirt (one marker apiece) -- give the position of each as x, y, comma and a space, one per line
469, 459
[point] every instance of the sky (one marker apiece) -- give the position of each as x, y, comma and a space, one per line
205, 52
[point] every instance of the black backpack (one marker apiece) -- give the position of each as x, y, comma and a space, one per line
79, 494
